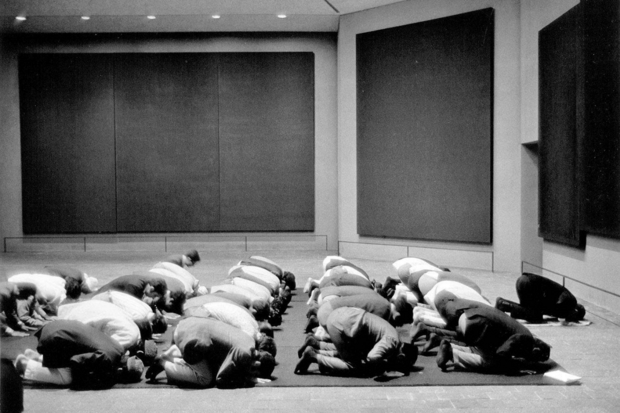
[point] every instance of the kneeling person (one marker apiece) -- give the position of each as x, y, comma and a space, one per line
362, 344
71, 353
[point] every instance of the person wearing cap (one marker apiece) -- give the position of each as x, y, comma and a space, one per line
189, 259
71, 353
488, 339
539, 296
9, 294
208, 352
362, 344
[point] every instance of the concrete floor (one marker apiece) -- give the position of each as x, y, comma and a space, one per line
589, 352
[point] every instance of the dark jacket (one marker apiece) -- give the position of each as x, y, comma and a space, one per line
545, 296
92, 355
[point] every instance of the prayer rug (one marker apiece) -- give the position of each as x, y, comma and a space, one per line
425, 372
290, 336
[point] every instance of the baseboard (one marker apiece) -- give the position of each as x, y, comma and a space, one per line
165, 243
448, 257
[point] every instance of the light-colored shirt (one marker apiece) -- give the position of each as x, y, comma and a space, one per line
135, 308
105, 317
456, 288
230, 314
256, 288
50, 289
251, 271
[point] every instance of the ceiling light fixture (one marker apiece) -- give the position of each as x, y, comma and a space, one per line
281, 16
216, 16
85, 18
20, 18
151, 17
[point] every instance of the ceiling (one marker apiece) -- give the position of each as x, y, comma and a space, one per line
130, 16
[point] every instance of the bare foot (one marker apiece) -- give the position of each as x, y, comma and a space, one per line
20, 364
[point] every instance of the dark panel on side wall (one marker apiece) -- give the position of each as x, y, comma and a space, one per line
602, 126
167, 142
267, 141
561, 126
67, 129
424, 120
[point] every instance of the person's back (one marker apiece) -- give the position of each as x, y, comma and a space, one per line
75, 354
231, 314
200, 300
545, 295
228, 349
372, 303
135, 308
343, 291
256, 274
60, 340
340, 276
105, 317
540, 296
50, 289
133, 284
265, 263
356, 333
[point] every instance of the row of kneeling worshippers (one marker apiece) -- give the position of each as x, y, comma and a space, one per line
354, 325
222, 334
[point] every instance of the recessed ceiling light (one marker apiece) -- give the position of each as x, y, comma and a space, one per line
281, 16
85, 18
216, 16
151, 17
20, 18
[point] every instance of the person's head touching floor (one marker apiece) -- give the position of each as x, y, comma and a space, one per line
401, 311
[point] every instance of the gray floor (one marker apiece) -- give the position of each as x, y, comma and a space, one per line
589, 352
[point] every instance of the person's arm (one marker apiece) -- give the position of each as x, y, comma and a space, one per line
11, 319
25, 314
8, 331
39, 311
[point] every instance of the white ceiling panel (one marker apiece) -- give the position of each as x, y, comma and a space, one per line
171, 24
116, 16
352, 6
